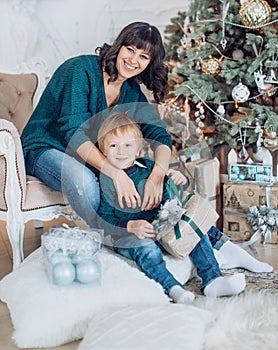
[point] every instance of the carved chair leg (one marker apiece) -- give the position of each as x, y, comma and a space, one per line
15, 233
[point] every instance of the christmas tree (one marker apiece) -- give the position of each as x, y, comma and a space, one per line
222, 58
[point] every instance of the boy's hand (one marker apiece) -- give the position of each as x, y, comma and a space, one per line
141, 228
177, 177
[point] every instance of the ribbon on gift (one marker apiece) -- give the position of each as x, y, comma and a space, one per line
173, 192
192, 224
176, 194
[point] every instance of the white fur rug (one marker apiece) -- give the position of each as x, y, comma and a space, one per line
245, 322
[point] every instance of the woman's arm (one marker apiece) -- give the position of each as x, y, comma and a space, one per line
125, 188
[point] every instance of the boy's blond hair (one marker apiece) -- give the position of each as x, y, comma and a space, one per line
118, 123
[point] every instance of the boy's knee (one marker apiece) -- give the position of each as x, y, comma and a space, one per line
151, 251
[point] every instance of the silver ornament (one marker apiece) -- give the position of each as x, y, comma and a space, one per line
240, 93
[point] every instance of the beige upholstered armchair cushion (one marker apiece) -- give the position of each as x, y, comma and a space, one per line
22, 198
16, 97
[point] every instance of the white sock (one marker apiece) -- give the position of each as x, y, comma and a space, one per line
181, 296
226, 286
238, 257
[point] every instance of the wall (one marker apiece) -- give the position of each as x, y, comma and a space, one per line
57, 29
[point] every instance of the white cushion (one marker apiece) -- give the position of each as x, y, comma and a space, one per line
45, 315
163, 327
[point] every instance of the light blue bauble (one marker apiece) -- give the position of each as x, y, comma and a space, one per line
63, 273
57, 257
241, 176
87, 271
235, 169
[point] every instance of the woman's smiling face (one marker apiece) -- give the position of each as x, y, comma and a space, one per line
131, 61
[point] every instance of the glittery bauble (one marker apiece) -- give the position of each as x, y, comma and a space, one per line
63, 273
240, 93
211, 66
87, 271
254, 13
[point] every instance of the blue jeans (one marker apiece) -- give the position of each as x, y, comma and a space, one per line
66, 174
148, 256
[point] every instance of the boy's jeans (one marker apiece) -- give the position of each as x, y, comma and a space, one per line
148, 256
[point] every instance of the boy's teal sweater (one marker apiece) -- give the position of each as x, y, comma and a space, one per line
73, 105
110, 216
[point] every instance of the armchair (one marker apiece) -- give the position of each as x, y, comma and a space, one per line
22, 197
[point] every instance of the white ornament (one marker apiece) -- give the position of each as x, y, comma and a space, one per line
240, 93
221, 110
259, 80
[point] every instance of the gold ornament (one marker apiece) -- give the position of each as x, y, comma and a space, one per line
211, 66
271, 143
271, 140
254, 13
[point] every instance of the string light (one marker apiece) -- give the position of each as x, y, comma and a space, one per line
219, 116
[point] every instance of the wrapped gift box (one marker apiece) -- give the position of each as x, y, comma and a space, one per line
204, 179
180, 237
238, 197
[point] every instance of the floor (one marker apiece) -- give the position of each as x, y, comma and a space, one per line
267, 252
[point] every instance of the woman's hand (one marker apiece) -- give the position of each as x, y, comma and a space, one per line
177, 177
153, 190
154, 186
126, 190
141, 228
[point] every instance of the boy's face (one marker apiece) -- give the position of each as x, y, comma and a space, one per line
121, 150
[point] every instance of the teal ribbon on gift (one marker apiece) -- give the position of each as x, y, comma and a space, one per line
175, 193
191, 223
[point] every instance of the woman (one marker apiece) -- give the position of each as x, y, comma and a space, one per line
91, 85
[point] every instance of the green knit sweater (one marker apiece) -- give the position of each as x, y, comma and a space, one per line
73, 105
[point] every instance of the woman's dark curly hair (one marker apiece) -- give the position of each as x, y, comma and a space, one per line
146, 37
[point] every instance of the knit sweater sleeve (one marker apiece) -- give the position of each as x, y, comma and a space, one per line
75, 111
147, 116
108, 217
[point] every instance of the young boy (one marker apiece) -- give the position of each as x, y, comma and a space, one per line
133, 235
